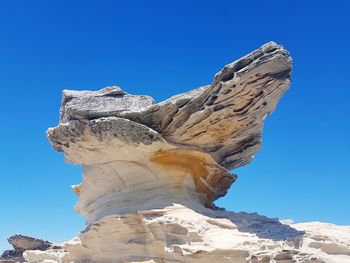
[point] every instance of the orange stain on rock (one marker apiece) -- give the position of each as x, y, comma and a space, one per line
211, 180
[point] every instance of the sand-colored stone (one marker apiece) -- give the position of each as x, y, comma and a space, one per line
152, 171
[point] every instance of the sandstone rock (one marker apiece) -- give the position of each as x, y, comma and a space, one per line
152, 171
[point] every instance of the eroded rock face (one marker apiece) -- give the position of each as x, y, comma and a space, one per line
203, 132
152, 171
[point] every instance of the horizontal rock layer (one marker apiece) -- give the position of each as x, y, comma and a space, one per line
181, 234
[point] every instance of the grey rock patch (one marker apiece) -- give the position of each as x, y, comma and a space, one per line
110, 101
64, 134
9, 256
22, 243
124, 130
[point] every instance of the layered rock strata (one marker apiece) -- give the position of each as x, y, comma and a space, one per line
152, 171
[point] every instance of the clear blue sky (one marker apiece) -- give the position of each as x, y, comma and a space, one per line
162, 48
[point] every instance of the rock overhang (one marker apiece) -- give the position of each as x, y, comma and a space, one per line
216, 127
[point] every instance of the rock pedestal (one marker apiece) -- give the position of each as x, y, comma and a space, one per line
152, 171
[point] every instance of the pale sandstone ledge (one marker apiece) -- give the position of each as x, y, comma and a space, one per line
152, 171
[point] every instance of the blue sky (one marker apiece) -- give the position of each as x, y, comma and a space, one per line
162, 48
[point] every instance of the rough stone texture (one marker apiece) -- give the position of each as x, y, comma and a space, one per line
179, 233
152, 172
223, 119
11, 256
110, 101
22, 243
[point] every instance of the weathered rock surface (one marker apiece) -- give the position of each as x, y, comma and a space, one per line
22, 243
152, 171
181, 234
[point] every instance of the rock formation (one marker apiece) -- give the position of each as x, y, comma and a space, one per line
152, 171
22, 243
